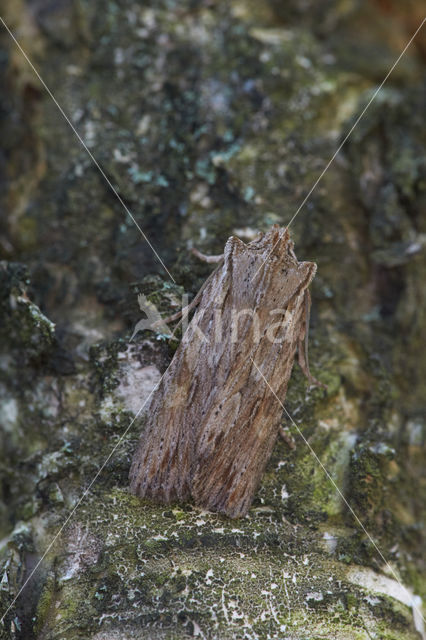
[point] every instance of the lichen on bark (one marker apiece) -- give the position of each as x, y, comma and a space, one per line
209, 119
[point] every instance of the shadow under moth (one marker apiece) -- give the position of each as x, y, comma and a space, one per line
212, 421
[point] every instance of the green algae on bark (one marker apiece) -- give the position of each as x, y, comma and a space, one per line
178, 570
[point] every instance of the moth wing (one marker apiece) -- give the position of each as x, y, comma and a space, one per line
161, 466
231, 455
236, 438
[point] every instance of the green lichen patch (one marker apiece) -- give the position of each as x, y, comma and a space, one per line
25, 328
179, 569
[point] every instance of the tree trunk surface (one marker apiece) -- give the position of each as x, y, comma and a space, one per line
210, 119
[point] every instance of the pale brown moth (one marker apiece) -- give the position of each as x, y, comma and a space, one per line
213, 422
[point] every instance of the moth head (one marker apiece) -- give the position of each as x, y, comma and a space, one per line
277, 243
280, 246
275, 236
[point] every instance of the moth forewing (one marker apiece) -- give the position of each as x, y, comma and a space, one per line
161, 465
231, 459
213, 423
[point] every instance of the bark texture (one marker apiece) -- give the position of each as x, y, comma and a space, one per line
210, 119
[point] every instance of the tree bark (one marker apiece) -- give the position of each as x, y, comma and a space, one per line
210, 119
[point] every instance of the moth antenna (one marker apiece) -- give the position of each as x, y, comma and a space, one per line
204, 258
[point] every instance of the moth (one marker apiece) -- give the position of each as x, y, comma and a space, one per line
212, 420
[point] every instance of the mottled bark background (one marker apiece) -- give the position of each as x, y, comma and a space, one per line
210, 118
